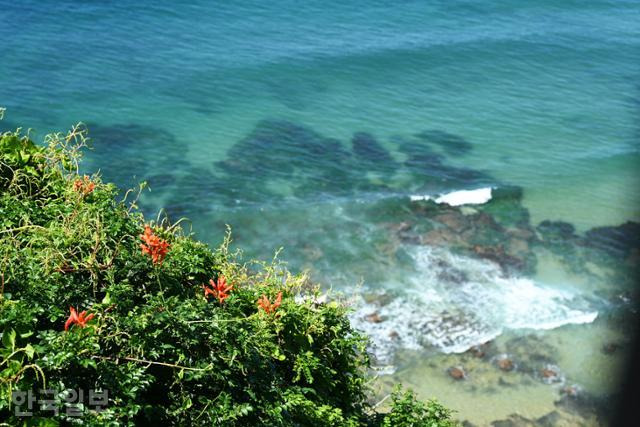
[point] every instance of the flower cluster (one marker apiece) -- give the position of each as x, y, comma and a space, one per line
154, 246
78, 319
267, 306
84, 186
219, 289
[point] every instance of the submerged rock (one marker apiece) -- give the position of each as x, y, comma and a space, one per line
615, 240
482, 350
430, 168
514, 421
457, 373
373, 318
477, 351
450, 143
505, 363
283, 152
506, 206
551, 374
368, 149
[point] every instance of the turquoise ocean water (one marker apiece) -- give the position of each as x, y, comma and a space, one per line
307, 125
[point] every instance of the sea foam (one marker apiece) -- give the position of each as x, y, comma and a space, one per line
429, 312
458, 198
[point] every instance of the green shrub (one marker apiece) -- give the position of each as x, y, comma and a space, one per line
164, 351
406, 410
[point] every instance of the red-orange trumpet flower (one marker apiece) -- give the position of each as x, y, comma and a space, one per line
219, 290
84, 186
78, 319
154, 246
267, 306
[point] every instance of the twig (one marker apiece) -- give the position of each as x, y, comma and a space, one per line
169, 365
380, 403
189, 322
24, 227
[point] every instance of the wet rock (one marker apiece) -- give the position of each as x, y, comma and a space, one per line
454, 220
457, 373
477, 351
404, 231
498, 255
374, 317
523, 233
571, 391
550, 374
400, 227
556, 231
394, 335
518, 246
505, 364
514, 421
439, 237
531, 352
380, 299
452, 275
484, 220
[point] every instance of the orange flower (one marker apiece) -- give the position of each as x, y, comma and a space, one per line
267, 306
84, 186
79, 319
219, 290
156, 247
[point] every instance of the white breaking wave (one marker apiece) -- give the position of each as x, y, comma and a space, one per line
458, 198
454, 302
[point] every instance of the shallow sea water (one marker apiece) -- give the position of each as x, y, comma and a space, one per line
309, 127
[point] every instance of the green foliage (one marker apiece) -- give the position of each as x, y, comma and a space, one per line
163, 351
407, 411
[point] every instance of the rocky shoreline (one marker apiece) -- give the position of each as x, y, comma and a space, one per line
500, 232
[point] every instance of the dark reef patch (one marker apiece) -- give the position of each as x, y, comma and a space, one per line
290, 154
371, 156
429, 167
452, 144
617, 241
129, 153
281, 147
